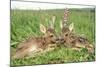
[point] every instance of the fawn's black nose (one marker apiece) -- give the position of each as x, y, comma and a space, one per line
60, 40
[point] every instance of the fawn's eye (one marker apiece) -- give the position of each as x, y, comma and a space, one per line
51, 35
66, 34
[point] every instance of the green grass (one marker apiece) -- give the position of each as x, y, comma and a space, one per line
25, 23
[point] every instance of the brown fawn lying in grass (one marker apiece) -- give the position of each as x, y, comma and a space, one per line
74, 41
70, 39
37, 44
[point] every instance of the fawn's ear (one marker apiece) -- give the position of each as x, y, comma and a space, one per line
52, 22
61, 25
42, 28
71, 26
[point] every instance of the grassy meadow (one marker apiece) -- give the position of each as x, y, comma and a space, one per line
25, 23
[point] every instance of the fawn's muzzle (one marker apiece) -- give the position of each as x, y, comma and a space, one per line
60, 40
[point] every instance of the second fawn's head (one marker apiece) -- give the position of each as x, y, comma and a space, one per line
65, 31
66, 27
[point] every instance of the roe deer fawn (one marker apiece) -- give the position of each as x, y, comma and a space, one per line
69, 39
37, 44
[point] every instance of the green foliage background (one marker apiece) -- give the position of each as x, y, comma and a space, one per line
25, 23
